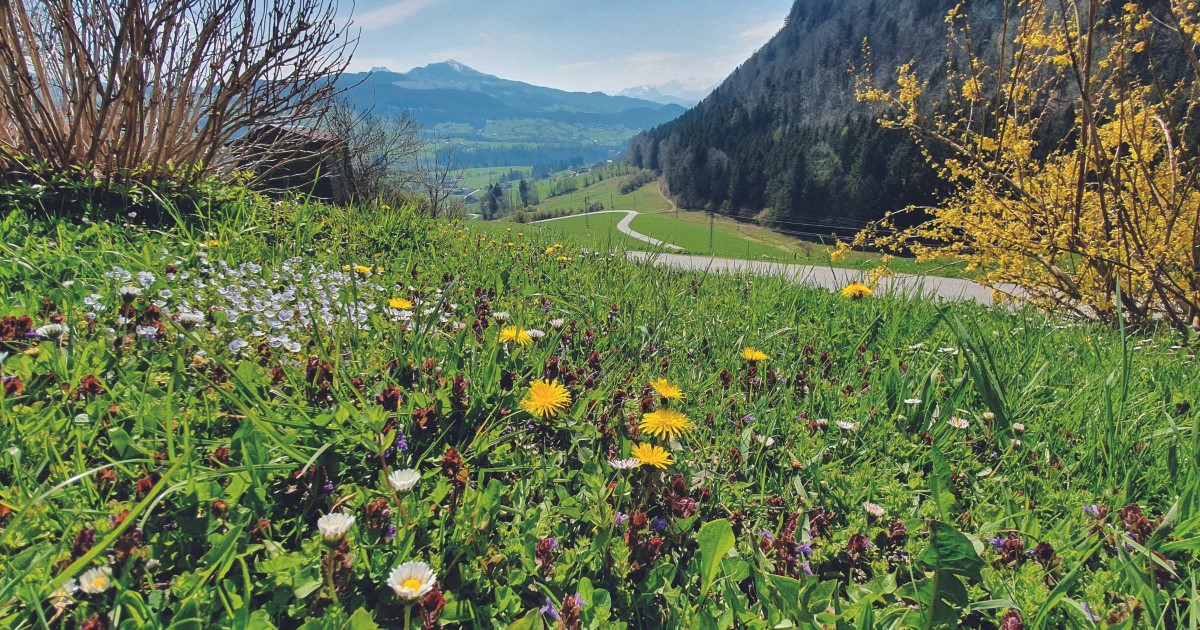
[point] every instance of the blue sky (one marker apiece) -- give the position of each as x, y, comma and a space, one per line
605, 45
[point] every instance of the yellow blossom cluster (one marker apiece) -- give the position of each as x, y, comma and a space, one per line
1101, 218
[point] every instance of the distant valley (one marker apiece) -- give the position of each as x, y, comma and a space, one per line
493, 121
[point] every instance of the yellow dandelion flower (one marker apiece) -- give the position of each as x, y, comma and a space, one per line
549, 250
651, 455
667, 390
857, 291
666, 424
515, 333
400, 304
546, 399
754, 355
363, 269
563, 259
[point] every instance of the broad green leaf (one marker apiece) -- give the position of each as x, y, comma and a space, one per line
716, 539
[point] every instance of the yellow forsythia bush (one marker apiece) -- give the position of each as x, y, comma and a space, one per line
1066, 150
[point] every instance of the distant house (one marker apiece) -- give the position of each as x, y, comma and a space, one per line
300, 160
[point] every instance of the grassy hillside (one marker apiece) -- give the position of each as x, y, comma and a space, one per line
607, 193
181, 406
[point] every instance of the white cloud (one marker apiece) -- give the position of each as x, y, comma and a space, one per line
764, 31
393, 13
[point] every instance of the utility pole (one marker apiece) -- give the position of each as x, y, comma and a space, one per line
710, 230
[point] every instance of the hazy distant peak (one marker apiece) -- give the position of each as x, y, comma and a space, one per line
652, 93
450, 68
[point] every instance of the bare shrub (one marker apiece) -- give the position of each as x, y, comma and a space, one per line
162, 85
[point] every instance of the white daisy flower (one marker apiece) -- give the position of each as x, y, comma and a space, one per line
95, 581
334, 527
873, 510
959, 423
1018, 428
64, 595
625, 464
764, 440
191, 318
500, 316
913, 401
403, 480
848, 426
129, 292
535, 333
557, 323
412, 580
52, 331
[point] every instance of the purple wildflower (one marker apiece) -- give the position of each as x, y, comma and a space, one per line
390, 532
806, 568
550, 611
621, 518
805, 548
1092, 510
659, 524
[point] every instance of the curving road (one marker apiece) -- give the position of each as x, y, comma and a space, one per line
835, 279
623, 227
831, 278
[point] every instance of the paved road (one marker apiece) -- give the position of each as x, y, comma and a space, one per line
623, 227
834, 279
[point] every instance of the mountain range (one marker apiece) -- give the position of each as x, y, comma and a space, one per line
485, 112
686, 93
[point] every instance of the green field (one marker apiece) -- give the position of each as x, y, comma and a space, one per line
475, 178
700, 233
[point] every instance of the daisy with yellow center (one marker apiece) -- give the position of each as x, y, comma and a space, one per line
509, 334
95, 581
665, 423
411, 581
667, 390
754, 355
857, 291
546, 399
400, 304
651, 455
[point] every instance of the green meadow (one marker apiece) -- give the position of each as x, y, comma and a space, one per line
562, 436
